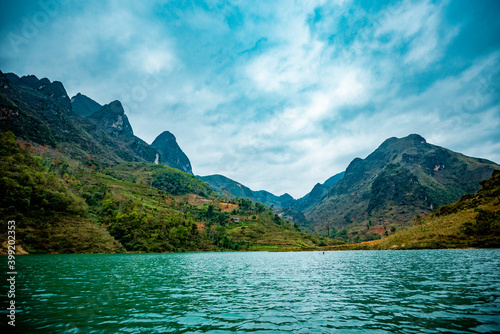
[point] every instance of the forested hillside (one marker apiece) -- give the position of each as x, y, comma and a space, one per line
66, 206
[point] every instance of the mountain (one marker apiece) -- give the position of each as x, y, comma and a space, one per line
230, 188
317, 193
83, 105
170, 153
37, 110
472, 221
401, 179
40, 111
111, 117
84, 184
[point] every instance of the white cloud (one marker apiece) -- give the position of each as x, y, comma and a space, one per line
418, 24
152, 60
298, 107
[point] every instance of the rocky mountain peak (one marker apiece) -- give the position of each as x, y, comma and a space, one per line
55, 95
113, 120
166, 137
418, 139
170, 153
402, 178
83, 105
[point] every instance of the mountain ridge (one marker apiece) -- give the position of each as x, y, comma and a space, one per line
402, 178
83, 105
41, 111
231, 189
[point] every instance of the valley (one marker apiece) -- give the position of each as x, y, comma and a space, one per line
78, 180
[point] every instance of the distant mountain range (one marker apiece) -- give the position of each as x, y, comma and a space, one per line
230, 189
401, 179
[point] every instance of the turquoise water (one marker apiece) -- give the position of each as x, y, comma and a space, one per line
432, 291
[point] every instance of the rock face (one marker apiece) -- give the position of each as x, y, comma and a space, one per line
111, 117
83, 105
400, 179
51, 91
34, 109
170, 153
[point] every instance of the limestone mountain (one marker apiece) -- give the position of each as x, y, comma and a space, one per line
83, 105
170, 154
37, 110
400, 179
40, 111
111, 117
472, 221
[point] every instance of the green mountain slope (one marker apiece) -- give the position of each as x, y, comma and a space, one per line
62, 205
402, 178
472, 221
50, 214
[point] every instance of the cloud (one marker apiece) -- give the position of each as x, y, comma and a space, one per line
276, 95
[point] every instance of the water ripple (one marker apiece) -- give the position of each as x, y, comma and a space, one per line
441, 291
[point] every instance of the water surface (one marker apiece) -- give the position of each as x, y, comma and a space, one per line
432, 291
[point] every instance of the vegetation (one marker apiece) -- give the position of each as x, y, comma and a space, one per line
473, 221
51, 216
403, 178
175, 182
66, 206
77, 184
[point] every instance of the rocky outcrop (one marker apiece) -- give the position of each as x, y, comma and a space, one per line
111, 117
41, 111
170, 154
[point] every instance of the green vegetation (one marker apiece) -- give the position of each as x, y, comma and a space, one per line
473, 221
25, 186
379, 195
67, 206
175, 182
49, 213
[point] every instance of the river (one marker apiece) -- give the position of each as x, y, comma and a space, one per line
427, 291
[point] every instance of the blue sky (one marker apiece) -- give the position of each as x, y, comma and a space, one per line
276, 95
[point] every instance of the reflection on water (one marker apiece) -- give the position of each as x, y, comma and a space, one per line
448, 291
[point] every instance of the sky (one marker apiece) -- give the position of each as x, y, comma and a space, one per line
277, 95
